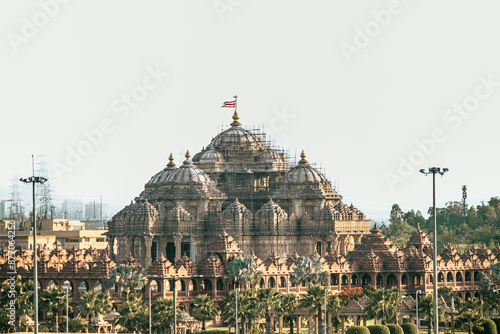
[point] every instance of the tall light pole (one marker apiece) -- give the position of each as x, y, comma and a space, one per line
326, 291
175, 305
150, 289
236, 331
66, 287
416, 300
34, 179
434, 171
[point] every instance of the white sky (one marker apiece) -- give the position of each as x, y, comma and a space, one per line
356, 118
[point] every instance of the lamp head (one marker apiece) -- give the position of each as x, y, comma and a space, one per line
422, 171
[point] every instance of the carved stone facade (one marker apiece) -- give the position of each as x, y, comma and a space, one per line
242, 184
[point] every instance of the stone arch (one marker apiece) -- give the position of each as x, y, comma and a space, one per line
477, 277
334, 279
404, 279
69, 284
467, 296
354, 280
83, 286
51, 284
344, 280
467, 276
380, 280
459, 276
366, 279
449, 277
282, 282
98, 287
195, 284
220, 285
153, 285
261, 283
183, 285
271, 282
206, 285
477, 295
417, 279
440, 277
392, 280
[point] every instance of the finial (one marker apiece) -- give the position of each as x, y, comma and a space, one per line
187, 155
235, 116
302, 155
171, 157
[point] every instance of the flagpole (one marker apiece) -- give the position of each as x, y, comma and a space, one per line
235, 103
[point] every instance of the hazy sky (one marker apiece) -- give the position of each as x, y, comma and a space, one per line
371, 90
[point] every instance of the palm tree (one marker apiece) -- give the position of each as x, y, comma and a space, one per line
313, 301
93, 304
23, 301
134, 314
242, 271
163, 314
204, 309
53, 300
287, 306
426, 307
128, 276
268, 299
248, 309
383, 304
490, 288
334, 306
471, 315
309, 270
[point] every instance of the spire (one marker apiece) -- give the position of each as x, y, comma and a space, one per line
171, 159
188, 161
303, 160
235, 122
187, 155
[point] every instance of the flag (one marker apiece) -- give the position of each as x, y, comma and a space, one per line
229, 104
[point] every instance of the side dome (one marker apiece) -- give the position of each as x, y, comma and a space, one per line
303, 173
270, 156
187, 174
237, 140
211, 156
162, 175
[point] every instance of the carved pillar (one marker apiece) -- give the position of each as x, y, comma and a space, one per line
177, 241
343, 324
335, 243
310, 322
298, 321
280, 324
148, 241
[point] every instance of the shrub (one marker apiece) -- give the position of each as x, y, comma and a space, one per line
488, 327
379, 329
497, 322
395, 329
409, 328
358, 330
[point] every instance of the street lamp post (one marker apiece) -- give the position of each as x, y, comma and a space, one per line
236, 317
175, 305
34, 179
434, 171
416, 300
150, 289
66, 287
326, 291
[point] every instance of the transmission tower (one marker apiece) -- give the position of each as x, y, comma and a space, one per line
464, 198
46, 209
15, 208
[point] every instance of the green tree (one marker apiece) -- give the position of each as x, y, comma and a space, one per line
53, 300
248, 310
163, 315
490, 287
383, 304
309, 270
133, 314
314, 301
204, 309
23, 301
287, 306
426, 308
129, 277
242, 272
471, 315
93, 304
334, 306
268, 300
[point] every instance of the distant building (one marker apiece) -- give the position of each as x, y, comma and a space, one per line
93, 211
4, 208
72, 209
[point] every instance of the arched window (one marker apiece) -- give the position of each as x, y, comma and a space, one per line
476, 276
271, 282
449, 277
261, 283
459, 277
392, 280
380, 280
83, 286
344, 280
154, 286
366, 279
404, 280
467, 296
282, 282
440, 277
207, 284
97, 287
354, 280
51, 285
334, 280
195, 285
467, 276
417, 279
220, 285
183, 285
68, 285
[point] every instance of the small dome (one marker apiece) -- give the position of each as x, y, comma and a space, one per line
304, 173
188, 174
270, 156
162, 175
237, 139
211, 157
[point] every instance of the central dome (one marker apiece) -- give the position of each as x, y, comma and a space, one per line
237, 140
